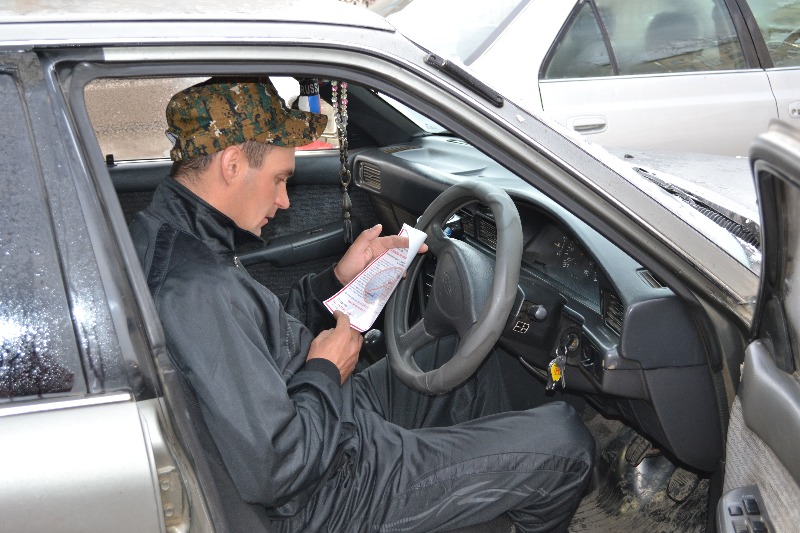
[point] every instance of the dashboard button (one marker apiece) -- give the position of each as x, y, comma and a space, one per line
751, 506
537, 312
740, 527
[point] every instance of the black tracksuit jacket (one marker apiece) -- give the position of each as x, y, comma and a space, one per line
369, 455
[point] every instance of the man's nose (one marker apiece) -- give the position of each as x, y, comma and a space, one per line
282, 200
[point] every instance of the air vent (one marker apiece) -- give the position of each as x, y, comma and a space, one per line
488, 233
613, 312
397, 148
484, 210
650, 279
457, 141
370, 176
467, 222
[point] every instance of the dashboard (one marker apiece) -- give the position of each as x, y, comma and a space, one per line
632, 348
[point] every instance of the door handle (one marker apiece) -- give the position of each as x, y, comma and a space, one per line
589, 124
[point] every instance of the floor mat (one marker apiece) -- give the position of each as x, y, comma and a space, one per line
625, 496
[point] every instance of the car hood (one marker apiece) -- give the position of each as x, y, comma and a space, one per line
720, 188
723, 180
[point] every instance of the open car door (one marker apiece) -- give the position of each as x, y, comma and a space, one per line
763, 464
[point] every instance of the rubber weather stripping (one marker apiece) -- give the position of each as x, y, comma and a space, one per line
458, 73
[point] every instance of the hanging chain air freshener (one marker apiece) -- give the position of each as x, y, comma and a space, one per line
339, 102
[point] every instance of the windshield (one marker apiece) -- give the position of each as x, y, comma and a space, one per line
454, 28
420, 120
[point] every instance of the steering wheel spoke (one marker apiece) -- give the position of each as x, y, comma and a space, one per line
436, 240
416, 337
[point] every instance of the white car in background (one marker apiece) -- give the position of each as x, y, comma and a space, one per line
694, 76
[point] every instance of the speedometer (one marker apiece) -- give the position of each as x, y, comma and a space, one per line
560, 257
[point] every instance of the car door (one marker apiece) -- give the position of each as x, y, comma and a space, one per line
762, 464
658, 74
75, 452
778, 24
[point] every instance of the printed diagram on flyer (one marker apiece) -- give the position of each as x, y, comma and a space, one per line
381, 285
364, 298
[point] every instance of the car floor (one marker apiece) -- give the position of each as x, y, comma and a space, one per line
654, 495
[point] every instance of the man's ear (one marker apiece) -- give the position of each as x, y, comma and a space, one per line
233, 164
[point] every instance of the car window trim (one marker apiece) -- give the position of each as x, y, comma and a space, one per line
754, 47
567, 26
38, 405
114, 273
734, 286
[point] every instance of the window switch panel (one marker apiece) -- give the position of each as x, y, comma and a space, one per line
742, 510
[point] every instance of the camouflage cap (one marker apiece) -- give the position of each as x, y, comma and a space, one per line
208, 117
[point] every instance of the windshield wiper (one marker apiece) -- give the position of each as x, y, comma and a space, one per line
736, 224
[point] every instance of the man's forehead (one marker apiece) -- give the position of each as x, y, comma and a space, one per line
280, 161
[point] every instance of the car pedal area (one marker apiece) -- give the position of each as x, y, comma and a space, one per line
681, 484
638, 449
636, 486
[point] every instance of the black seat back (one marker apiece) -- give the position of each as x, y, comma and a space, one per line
229, 513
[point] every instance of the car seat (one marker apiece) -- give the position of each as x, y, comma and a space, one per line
670, 36
229, 512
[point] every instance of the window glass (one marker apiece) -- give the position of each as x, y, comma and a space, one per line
654, 36
38, 352
582, 53
129, 120
420, 120
453, 28
649, 37
779, 22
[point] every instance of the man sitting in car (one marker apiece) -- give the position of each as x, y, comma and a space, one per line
321, 448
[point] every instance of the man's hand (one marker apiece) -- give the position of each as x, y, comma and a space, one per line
339, 345
367, 247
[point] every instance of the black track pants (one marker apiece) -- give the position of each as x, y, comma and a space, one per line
424, 464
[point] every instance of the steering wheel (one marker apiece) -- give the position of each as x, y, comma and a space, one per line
471, 295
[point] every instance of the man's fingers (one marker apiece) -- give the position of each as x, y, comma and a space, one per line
394, 241
371, 233
342, 320
389, 241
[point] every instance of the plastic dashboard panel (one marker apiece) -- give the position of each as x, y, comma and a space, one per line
652, 370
